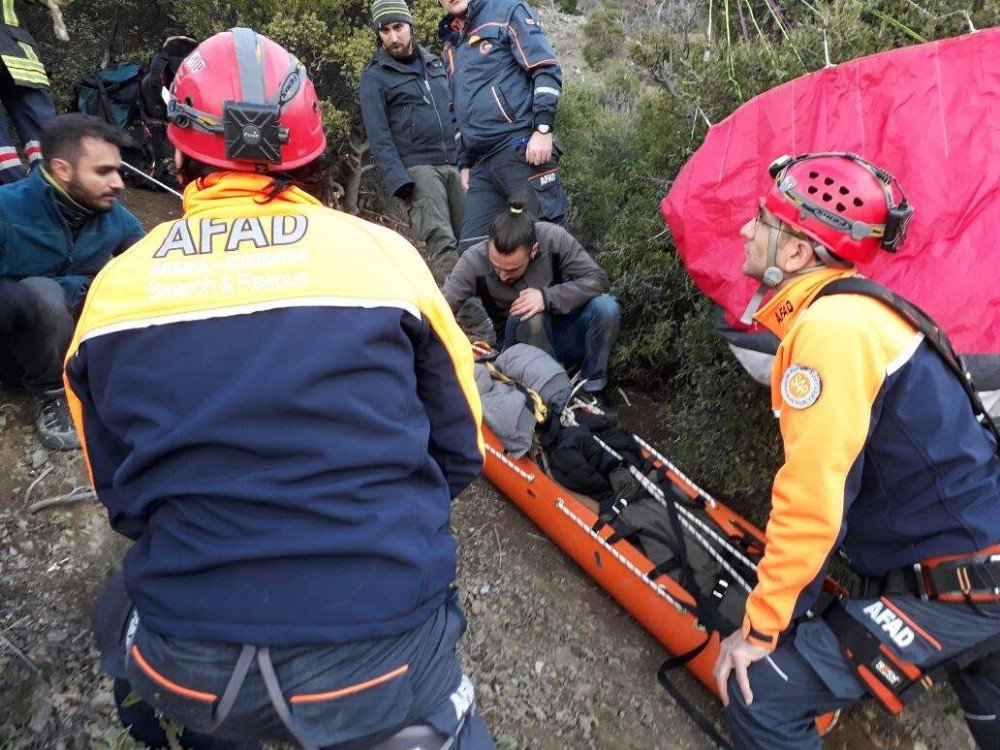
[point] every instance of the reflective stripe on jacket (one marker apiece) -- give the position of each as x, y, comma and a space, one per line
278, 407
883, 456
19, 51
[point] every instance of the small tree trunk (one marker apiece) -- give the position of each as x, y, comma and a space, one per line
356, 169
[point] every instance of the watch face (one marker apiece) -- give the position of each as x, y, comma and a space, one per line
543, 129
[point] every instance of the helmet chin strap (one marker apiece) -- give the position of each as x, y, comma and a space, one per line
771, 278
773, 275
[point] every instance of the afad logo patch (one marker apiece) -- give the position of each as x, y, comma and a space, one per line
891, 623
801, 386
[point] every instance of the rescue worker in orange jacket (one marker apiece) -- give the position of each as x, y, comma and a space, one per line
278, 407
885, 462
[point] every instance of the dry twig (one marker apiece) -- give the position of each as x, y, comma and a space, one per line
24, 658
78, 495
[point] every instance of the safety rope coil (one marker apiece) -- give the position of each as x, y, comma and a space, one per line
502, 458
680, 474
660, 591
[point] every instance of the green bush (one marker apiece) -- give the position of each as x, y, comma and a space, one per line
605, 38
628, 132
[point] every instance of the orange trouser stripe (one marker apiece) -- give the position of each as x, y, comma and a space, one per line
349, 690
164, 682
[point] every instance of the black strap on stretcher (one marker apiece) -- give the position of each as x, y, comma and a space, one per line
706, 609
697, 716
891, 680
933, 334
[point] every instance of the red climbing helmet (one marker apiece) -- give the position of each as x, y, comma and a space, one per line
241, 101
841, 201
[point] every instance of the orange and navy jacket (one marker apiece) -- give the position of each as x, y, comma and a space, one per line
505, 79
277, 405
884, 459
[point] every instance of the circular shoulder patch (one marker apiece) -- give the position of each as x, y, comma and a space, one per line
800, 386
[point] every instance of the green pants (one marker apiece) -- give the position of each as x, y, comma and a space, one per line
435, 210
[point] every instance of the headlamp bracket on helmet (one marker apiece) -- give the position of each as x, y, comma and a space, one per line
253, 132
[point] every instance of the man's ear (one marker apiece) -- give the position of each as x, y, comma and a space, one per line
798, 254
179, 164
61, 169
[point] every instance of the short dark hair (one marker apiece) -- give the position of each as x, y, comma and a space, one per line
311, 177
62, 136
513, 227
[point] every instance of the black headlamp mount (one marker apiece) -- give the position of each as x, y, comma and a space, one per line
253, 132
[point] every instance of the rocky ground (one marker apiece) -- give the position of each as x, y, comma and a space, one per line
557, 663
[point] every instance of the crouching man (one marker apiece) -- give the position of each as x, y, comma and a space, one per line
540, 287
58, 227
885, 461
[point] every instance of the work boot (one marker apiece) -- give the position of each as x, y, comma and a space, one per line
476, 323
55, 425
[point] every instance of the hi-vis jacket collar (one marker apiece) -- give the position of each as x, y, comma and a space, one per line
780, 313
237, 189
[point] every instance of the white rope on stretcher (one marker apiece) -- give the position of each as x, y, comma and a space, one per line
502, 458
660, 497
680, 475
660, 591
689, 521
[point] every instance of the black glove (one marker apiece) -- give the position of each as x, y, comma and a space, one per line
405, 191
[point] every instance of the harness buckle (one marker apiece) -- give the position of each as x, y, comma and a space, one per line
918, 572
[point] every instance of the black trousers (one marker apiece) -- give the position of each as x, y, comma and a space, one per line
506, 175
36, 326
28, 109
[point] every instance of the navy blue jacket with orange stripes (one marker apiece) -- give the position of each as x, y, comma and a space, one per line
504, 76
277, 405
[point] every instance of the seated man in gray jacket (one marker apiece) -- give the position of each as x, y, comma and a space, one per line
540, 287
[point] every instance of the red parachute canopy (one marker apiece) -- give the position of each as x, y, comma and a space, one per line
930, 115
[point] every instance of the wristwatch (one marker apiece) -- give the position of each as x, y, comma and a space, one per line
543, 128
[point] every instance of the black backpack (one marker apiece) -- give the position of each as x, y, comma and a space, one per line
162, 69
112, 93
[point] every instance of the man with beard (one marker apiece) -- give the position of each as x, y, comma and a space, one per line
58, 228
404, 102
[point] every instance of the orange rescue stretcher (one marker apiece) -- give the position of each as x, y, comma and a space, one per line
661, 604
